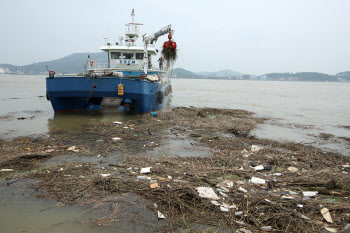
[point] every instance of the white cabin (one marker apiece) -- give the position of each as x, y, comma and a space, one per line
127, 54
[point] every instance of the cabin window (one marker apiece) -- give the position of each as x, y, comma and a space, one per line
128, 55
139, 56
116, 55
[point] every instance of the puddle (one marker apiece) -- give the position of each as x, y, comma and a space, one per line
179, 146
21, 211
74, 120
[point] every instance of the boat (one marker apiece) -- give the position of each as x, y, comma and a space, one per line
129, 74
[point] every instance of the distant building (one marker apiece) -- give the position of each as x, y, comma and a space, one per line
4, 70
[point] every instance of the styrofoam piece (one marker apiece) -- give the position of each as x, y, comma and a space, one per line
326, 215
255, 148
256, 180
310, 193
206, 192
215, 203
160, 215
6, 170
259, 168
145, 170
242, 190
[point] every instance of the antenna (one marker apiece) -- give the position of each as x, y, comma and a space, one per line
133, 16
106, 40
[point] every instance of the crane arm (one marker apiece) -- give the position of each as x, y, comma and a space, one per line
150, 40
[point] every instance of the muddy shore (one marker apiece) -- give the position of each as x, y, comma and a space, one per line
257, 184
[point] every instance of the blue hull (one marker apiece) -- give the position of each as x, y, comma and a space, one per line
71, 93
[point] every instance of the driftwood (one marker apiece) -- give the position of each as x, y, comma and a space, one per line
332, 184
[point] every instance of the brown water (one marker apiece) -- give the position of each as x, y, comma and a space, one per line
299, 111
20, 211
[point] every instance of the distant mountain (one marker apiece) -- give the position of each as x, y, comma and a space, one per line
220, 73
73, 63
182, 73
302, 76
344, 75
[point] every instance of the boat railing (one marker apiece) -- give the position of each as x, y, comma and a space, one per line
98, 64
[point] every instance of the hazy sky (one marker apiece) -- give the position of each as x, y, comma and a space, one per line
248, 36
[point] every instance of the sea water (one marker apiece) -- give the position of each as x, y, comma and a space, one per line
297, 111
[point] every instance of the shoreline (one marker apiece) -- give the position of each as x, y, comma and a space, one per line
226, 165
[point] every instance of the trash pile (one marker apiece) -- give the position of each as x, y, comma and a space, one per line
202, 191
246, 185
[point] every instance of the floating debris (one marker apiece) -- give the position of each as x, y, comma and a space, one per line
160, 215
255, 148
259, 168
6, 170
143, 178
145, 170
215, 203
293, 169
256, 180
310, 193
326, 215
242, 190
206, 192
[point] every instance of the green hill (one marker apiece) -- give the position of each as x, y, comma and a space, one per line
73, 63
182, 73
302, 76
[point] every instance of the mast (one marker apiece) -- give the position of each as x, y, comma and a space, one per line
133, 16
